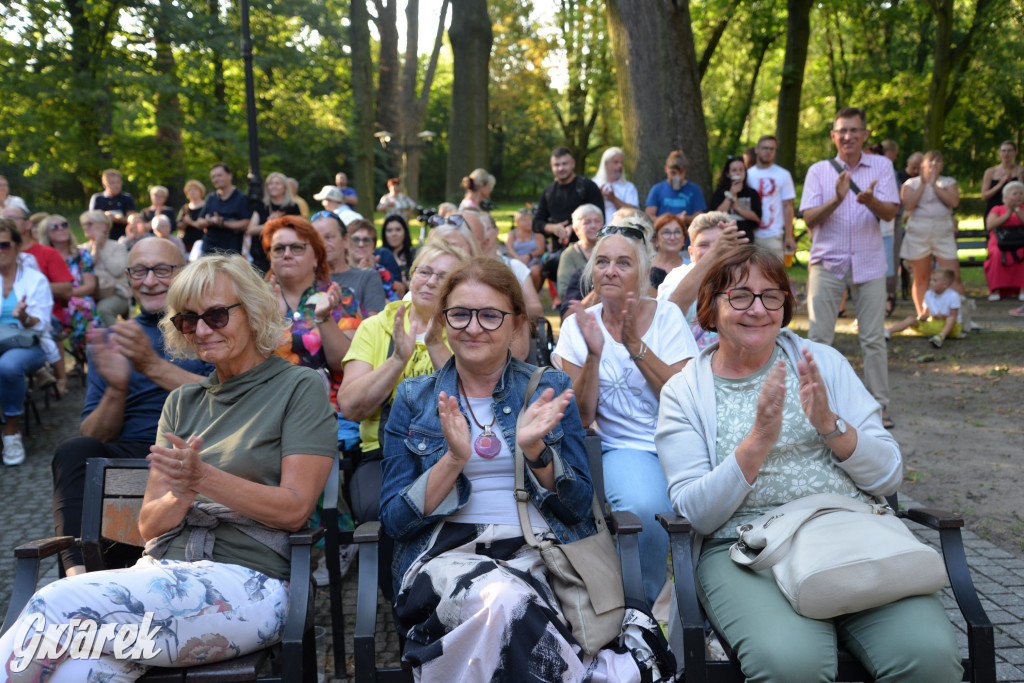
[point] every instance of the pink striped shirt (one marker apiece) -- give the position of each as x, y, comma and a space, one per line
850, 237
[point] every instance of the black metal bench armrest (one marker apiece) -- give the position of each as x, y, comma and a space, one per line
935, 519
674, 523
44, 547
625, 522
366, 535
299, 622
307, 536
367, 532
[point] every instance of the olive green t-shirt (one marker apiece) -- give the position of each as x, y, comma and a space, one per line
248, 424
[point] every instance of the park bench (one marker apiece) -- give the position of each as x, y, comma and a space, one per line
972, 240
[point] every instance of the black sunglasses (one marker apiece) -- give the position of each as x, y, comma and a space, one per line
624, 230
215, 318
437, 221
4, 246
59, 226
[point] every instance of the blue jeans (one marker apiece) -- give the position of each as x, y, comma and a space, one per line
14, 364
634, 481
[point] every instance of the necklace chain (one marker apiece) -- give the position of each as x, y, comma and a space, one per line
469, 406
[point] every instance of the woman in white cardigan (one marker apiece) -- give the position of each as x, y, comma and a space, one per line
761, 418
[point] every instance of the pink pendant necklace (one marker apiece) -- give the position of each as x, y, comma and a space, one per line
486, 444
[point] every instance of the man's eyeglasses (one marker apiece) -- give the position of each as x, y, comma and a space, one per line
54, 227
215, 318
297, 249
624, 230
437, 221
161, 270
459, 317
427, 273
742, 299
842, 132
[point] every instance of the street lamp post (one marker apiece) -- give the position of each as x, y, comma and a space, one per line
423, 138
255, 178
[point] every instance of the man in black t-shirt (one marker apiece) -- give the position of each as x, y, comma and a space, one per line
113, 202
226, 214
559, 199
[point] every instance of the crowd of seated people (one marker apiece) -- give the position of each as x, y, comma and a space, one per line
236, 382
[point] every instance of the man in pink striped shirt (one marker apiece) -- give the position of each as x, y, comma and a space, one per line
842, 207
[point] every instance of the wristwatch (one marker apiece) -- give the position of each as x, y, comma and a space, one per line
839, 430
543, 460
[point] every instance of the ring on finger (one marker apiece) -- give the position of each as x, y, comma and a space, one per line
181, 465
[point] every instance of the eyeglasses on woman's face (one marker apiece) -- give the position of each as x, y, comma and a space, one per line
459, 317
741, 298
624, 230
215, 318
161, 270
426, 274
63, 225
361, 240
297, 248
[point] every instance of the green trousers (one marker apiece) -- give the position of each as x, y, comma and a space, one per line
909, 641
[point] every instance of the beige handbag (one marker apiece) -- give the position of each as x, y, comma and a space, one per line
585, 575
833, 555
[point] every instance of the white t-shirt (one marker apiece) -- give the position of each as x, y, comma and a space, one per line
942, 304
627, 411
626, 192
491, 500
519, 269
774, 184
673, 279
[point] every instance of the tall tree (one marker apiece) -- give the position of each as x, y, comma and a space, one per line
471, 38
362, 105
168, 115
656, 69
798, 33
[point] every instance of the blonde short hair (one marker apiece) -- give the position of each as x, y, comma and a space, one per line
194, 183
440, 234
43, 235
95, 217
159, 189
432, 250
707, 221
199, 279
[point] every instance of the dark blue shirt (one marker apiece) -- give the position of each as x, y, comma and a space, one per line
235, 207
122, 202
387, 259
145, 400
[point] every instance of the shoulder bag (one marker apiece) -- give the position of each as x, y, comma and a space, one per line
585, 575
12, 337
1010, 240
834, 555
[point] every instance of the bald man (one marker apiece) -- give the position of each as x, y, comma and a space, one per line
130, 376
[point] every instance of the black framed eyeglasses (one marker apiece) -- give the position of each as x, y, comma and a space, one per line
624, 230
436, 221
742, 299
459, 317
297, 248
215, 318
161, 270
362, 240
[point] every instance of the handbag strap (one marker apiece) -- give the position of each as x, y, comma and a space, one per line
778, 527
520, 492
839, 169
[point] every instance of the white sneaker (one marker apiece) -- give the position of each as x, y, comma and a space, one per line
1020, 297
346, 554
994, 296
14, 450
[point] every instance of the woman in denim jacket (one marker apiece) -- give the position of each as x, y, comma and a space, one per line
473, 598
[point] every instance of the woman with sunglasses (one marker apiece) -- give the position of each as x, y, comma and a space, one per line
467, 584
25, 304
619, 354
239, 461
757, 420
109, 260
78, 314
735, 197
403, 340
362, 239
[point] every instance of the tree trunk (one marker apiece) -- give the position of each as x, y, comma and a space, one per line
168, 114
760, 49
220, 99
656, 71
362, 106
471, 39
388, 68
798, 32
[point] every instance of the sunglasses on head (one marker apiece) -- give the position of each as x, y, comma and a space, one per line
437, 221
215, 318
624, 230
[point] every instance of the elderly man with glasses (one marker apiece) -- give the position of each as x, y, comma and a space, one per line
130, 376
844, 198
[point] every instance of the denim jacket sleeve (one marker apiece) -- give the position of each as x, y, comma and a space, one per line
571, 500
409, 451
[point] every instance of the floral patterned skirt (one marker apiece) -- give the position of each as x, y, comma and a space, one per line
78, 316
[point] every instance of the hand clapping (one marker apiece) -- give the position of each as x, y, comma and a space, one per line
813, 396
180, 465
542, 416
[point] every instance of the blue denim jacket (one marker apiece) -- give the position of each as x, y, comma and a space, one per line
413, 442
